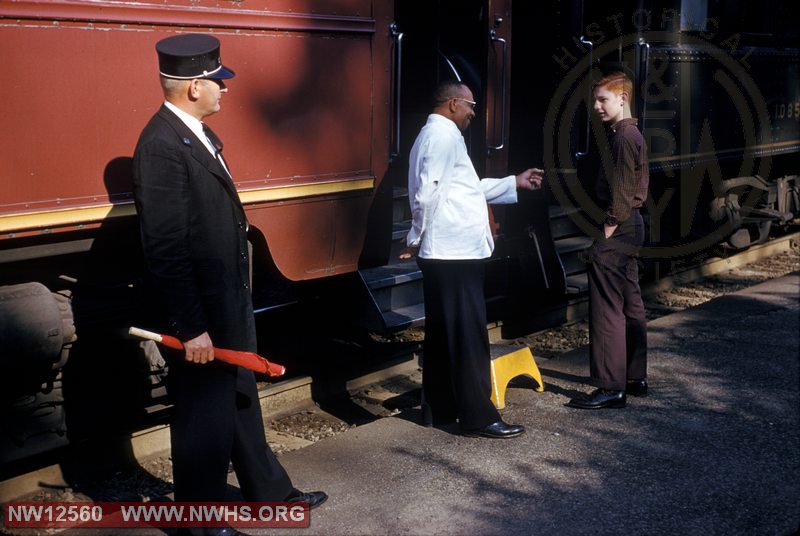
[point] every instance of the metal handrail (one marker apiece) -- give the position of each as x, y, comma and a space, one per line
398, 49
643, 44
585, 152
495, 39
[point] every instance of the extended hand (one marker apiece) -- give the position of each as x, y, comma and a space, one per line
200, 349
530, 179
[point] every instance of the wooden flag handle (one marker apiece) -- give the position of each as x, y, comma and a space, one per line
248, 360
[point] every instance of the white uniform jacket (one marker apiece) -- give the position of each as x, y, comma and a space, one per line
448, 200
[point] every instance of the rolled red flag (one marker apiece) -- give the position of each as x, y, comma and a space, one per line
248, 360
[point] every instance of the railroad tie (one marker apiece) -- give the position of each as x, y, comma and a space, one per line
508, 366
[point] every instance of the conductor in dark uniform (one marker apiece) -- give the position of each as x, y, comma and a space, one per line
194, 237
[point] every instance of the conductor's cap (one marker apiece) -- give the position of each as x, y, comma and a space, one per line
189, 56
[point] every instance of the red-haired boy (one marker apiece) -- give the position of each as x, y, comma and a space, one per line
617, 324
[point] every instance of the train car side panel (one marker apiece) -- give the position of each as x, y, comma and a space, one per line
298, 122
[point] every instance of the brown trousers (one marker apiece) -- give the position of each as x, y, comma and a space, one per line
617, 323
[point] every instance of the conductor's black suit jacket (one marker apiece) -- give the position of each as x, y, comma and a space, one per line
194, 238
194, 235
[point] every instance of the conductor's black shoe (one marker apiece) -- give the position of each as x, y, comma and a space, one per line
636, 387
598, 399
224, 531
228, 531
497, 430
313, 498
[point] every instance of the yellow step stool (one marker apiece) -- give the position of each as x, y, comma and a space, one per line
508, 366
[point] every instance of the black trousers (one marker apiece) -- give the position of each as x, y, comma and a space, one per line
456, 361
216, 421
617, 323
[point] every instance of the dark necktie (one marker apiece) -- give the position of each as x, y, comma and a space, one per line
217, 144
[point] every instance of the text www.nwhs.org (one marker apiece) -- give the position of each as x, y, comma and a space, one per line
156, 514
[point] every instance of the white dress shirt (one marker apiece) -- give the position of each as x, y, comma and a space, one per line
448, 200
196, 126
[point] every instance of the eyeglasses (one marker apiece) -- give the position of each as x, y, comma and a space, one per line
471, 103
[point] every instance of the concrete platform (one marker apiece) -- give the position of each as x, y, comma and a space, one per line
715, 448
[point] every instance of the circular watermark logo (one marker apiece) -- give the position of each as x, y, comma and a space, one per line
682, 86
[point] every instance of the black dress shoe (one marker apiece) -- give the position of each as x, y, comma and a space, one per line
229, 531
497, 430
224, 531
636, 387
313, 498
598, 399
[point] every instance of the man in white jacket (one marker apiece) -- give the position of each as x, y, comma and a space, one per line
451, 236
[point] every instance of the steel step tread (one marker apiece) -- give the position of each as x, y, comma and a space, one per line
404, 317
391, 274
578, 283
400, 229
557, 211
399, 191
573, 243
